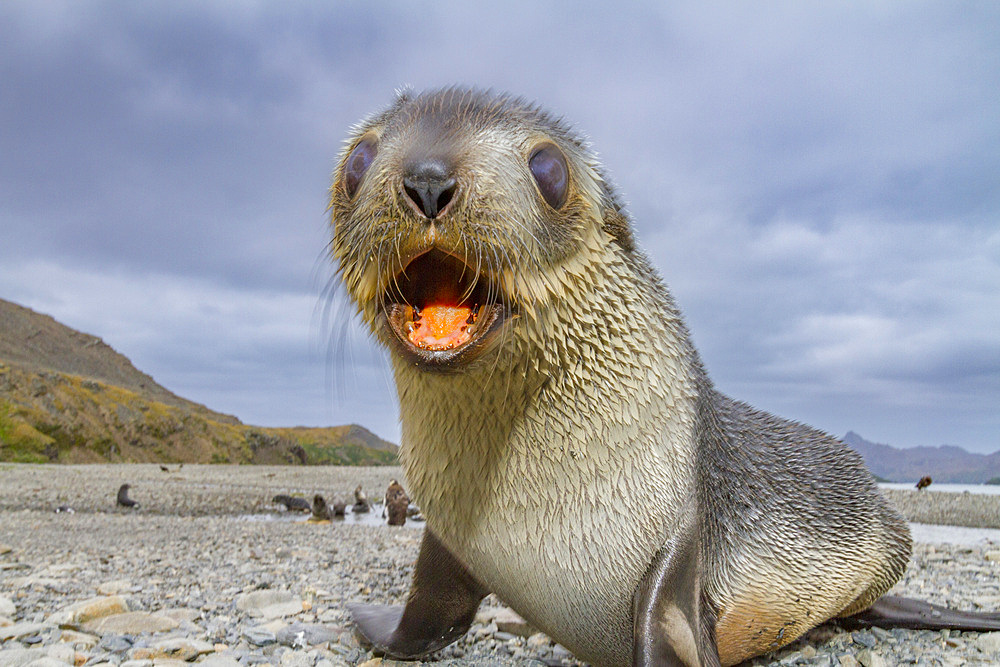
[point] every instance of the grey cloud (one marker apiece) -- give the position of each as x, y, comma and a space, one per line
791, 169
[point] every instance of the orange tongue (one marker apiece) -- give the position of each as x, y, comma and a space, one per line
440, 327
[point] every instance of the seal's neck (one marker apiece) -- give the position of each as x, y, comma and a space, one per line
586, 374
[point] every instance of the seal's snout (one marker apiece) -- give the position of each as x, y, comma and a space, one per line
429, 185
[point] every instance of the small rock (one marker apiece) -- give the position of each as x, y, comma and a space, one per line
507, 620
7, 607
870, 659
131, 623
115, 587
77, 614
989, 643
46, 661
21, 630
78, 639
144, 662
269, 604
259, 636
848, 660
115, 643
296, 659
182, 648
182, 615
4, 549
51, 656
865, 639
537, 641
217, 660
993, 555
300, 635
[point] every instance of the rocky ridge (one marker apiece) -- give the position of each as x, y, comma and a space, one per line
68, 397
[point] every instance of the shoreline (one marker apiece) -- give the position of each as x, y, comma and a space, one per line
226, 489
189, 562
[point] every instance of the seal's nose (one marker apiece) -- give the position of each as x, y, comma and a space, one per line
429, 185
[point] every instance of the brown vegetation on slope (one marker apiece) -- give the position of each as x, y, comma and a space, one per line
67, 397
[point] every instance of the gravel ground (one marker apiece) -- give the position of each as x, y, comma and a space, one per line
208, 570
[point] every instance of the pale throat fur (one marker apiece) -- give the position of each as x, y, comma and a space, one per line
519, 461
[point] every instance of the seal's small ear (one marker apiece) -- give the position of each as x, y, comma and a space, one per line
616, 224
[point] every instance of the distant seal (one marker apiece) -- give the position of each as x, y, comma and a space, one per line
292, 503
361, 504
123, 500
396, 504
538, 356
320, 510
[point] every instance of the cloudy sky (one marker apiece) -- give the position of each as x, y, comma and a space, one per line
819, 184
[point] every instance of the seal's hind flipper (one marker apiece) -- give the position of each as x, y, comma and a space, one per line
443, 601
672, 624
891, 611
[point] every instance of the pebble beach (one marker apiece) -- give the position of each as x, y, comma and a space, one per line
209, 570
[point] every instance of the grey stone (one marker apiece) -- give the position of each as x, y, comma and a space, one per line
77, 614
865, 639
7, 607
296, 659
269, 603
218, 660
115, 587
130, 623
989, 643
79, 639
176, 648
46, 661
115, 643
259, 636
507, 620
868, 658
19, 630
52, 656
300, 635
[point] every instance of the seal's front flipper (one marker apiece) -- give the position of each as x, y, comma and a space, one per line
443, 601
671, 623
891, 611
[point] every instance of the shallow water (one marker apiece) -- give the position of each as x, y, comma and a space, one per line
985, 489
372, 518
931, 534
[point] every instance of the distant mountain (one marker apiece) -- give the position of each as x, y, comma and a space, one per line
946, 463
66, 396
37, 342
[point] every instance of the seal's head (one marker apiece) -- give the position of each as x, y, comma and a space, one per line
457, 213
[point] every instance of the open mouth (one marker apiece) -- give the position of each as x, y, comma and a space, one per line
441, 310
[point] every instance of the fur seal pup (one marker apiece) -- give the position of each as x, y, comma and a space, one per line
361, 503
320, 510
537, 356
292, 503
122, 500
396, 504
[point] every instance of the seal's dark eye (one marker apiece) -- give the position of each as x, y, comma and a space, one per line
357, 164
548, 166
